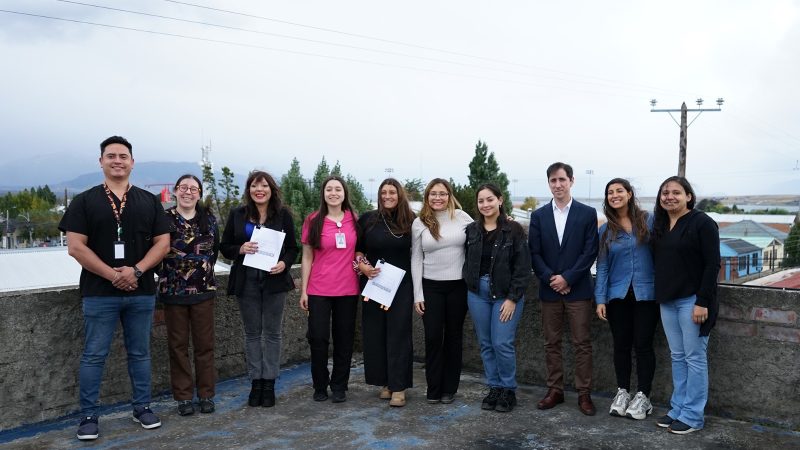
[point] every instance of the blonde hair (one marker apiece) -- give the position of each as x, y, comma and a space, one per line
428, 216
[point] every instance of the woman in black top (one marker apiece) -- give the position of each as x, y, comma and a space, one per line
686, 255
187, 287
388, 351
497, 270
261, 293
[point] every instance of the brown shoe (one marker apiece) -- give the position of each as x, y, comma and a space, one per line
385, 394
398, 399
553, 397
585, 404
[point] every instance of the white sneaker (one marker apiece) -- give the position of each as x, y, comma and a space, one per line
640, 407
620, 403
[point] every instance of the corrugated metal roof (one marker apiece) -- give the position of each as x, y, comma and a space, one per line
45, 268
750, 228
739, 246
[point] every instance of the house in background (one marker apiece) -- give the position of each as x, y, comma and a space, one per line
768, 239
738, 258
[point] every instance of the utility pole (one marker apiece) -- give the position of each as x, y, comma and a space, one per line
684, 126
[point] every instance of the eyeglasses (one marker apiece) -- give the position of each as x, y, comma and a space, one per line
438, 194
192, 189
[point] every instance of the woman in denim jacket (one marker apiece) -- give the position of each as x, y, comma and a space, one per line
625, 296
497, 270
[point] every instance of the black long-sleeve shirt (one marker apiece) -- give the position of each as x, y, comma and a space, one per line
687, 263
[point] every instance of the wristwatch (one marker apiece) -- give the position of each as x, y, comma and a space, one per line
137, 272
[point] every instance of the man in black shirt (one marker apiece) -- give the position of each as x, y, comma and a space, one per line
118, 233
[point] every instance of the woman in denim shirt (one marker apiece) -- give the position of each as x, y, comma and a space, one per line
625, 296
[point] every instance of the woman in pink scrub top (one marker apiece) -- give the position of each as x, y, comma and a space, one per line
329, 289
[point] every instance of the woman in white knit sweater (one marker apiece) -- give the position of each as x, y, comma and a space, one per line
440, 295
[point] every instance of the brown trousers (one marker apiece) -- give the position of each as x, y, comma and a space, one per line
198, 320
578, 314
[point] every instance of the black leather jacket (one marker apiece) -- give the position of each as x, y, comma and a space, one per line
510, 271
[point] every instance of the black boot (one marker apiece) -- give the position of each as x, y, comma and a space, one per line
256, 393
269, 393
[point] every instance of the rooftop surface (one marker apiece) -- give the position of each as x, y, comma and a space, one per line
365, 421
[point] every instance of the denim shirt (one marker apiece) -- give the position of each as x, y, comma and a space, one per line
625, 263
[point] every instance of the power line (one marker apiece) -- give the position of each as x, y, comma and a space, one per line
318, 55
420, 47
610, 85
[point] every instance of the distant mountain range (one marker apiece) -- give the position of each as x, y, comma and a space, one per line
65, 171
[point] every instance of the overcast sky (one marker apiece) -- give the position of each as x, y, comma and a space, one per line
538, 81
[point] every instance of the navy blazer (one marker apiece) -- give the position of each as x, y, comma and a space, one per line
572, 259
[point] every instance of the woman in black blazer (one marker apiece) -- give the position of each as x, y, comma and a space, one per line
261, 294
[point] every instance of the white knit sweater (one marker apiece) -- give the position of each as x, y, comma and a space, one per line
442, 259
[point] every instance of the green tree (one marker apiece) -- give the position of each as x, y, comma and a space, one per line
484, 168
359, 201
231, 194
530, 203
322, 172
465, 195
209, 187
297, 196
414, 189
792, 247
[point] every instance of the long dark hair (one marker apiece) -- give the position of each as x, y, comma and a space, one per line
661, 217
635, 214
400, 218
428, 216
275, 203
315, 227
201, 212
502, 218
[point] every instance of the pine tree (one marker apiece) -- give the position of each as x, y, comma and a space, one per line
483, 168
792, 247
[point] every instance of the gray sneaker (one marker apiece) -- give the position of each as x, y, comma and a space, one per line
640, 407
145, 417
620, 403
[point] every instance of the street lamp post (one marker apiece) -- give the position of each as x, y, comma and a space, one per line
590, 172
27, 217
371, 188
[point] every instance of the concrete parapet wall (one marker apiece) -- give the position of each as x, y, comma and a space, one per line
754, 354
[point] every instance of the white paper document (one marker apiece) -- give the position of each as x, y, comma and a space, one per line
270, 243
383, 287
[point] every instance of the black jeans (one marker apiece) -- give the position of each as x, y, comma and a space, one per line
322, 312
388, 344
633, 325
445, 311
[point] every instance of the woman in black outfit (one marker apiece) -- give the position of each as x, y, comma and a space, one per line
388, 351
686, 255
261, 293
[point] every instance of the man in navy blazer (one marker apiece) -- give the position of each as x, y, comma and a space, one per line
563, 243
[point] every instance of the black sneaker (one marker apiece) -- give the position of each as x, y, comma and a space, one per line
339, 397
207, 405
320, 395
145, 417
88, 430
490, 401
507, 401
185, 408
448, 398
679, 427
664, 421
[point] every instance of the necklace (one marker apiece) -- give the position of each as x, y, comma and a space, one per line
389, 229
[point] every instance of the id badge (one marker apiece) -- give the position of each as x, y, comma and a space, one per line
119, 249
340, 242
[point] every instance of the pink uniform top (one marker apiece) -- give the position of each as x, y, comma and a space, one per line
332, 272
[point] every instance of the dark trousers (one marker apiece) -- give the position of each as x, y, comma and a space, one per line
633, 325
388, 344
334, 316
578, 314
181, 320
445, 311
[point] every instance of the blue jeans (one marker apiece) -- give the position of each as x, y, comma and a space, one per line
496, 338
689, 362
100, 318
